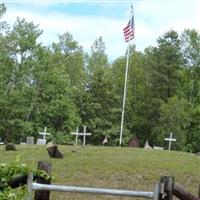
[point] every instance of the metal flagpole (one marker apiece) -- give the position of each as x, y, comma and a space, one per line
125, 85
124, 99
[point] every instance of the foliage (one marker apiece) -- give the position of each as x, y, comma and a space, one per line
8, 172
61, 138
174, 118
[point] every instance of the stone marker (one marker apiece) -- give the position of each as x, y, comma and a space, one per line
29, 140
133, 142
10, 147
157, 148
41, 141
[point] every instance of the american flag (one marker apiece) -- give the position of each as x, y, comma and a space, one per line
129, 30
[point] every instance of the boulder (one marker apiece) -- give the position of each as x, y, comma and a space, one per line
10, 147
54, 152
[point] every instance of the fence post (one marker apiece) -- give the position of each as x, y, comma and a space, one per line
29, 183
167, 184
156, 191
199, 190
39, 194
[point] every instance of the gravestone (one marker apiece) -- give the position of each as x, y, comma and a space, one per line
29, 140
10, 147
84, 134
133, 142
157, 148
170, 139
43, 141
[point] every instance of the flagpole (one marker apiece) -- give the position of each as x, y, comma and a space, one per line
125, 85
124, 98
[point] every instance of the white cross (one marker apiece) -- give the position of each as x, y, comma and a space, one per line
83, 134
170, 140
76, 133
44, 133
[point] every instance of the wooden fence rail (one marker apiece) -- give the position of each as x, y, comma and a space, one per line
182, 194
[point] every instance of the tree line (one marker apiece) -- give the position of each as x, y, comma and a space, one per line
61, 86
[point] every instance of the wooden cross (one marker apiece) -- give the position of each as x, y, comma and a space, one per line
82, 134
170, 140
44, 133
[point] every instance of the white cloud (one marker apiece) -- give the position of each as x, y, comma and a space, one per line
152, 19
84, 29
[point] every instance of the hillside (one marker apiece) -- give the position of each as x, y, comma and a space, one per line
111, 167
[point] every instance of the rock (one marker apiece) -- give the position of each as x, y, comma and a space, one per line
54, 152
50, 144
10, 147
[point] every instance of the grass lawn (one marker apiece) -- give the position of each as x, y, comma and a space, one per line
111, 167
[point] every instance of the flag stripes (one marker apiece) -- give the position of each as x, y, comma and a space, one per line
129, 30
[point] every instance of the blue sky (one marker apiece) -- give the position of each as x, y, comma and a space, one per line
87, 20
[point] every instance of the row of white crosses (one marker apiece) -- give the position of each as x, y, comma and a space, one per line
84, 134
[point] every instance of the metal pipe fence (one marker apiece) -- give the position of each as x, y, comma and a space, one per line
100, 191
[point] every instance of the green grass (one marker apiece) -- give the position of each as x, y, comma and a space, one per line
111, 167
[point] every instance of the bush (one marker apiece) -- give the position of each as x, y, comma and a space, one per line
8, 172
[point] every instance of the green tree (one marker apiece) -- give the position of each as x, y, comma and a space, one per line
98, 57
164, 64
68, 53
190, 41
15, 90
174, 117
52, 103
99, 102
